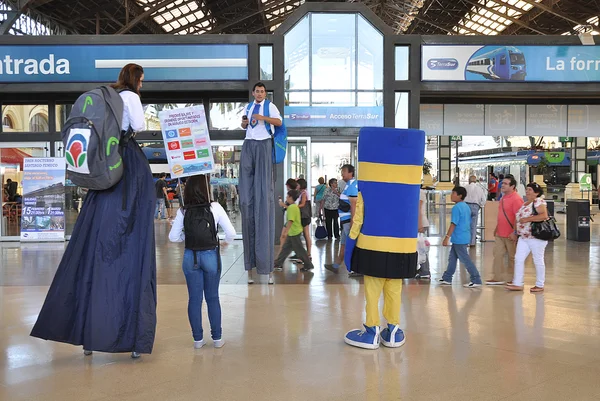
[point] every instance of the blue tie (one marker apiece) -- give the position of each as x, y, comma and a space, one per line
253, 121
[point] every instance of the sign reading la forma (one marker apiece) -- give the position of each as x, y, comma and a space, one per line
102, 63
43, 213
511, 63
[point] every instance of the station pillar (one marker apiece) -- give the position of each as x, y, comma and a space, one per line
445, 174
578, 168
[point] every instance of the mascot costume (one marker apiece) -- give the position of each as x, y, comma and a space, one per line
383, 239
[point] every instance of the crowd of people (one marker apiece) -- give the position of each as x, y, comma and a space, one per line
103, 296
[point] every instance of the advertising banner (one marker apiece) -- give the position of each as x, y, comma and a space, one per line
187, 142
43, 213
296, 116
102, 63
511, 63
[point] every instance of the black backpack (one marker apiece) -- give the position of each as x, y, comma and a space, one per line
200, 229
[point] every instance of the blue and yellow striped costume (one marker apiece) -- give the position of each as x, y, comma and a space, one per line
385, 224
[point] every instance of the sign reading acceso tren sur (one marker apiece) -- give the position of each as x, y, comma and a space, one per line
102, 63
296, 116
511, 63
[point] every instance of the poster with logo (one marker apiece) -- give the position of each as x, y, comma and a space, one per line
511, 63
187, 142
43, 209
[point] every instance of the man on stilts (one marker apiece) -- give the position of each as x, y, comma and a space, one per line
256, 184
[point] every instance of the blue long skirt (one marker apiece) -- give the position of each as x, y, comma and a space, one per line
104, 293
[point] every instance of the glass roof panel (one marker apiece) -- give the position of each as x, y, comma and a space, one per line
491, 17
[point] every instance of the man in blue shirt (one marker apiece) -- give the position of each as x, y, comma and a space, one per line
347, 207
460, 235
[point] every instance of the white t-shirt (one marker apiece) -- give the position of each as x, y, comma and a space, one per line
133, 112
221, 219
259, 132
423, 198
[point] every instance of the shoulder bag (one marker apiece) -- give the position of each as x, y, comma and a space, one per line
545, 230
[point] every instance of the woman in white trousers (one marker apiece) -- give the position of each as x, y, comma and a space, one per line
528, 243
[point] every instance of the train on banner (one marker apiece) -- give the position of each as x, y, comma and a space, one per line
43, 215
511, 63
187, 141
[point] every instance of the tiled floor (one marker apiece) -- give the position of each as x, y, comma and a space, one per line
286, 341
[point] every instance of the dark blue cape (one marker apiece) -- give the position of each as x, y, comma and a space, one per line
104, 293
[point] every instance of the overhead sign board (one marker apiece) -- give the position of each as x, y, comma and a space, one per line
296, 116
511, 63
102, 63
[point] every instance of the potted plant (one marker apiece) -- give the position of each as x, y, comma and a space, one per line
427, 178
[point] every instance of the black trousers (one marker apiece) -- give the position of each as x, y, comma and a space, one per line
332, 218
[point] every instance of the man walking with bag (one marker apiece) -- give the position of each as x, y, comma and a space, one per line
505, 236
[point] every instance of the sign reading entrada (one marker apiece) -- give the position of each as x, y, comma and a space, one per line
46, 66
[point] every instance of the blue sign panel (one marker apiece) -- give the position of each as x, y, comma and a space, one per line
333, 116
102, 63
511, 63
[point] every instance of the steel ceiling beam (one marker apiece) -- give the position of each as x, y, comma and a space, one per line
213, 15
13, 15
529, 17
451, 32
555, 12
154, 7
505, 16
275, 5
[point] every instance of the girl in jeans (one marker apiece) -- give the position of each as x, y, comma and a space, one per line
527, 242
203, 270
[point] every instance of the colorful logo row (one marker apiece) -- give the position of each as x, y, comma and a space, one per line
187, 143
189, 155
182, 132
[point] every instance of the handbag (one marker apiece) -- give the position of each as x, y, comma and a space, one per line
321, 231
546, 230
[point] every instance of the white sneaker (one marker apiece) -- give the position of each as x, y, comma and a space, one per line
471, 285
219, 343
271, 280
444, 282
199, 344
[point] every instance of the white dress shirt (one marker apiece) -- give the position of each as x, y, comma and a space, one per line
476, 194
259, 132
221, 219
133, 112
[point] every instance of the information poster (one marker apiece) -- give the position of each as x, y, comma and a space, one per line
187, 142
43, 212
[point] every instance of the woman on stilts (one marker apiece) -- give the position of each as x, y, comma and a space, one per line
103, 296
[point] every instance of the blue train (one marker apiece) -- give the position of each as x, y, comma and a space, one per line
505, 63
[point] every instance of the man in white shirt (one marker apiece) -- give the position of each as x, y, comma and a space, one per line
256, 185
476, 198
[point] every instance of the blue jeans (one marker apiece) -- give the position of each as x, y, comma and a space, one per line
160, 208
474, 215
203, 280
460, 252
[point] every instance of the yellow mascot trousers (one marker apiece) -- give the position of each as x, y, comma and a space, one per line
392, 300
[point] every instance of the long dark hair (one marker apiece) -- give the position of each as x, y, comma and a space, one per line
196, 191
129, 78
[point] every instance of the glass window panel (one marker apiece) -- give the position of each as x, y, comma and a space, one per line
368, 99
333, 51
296, 56
25, 118
401, 63
11, 167
370, 56
227, 115
152, 110
266, 62
62, 115
327, 99
297, 99
401, 109
224, 182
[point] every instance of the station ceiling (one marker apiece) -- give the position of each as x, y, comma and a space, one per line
193, 17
